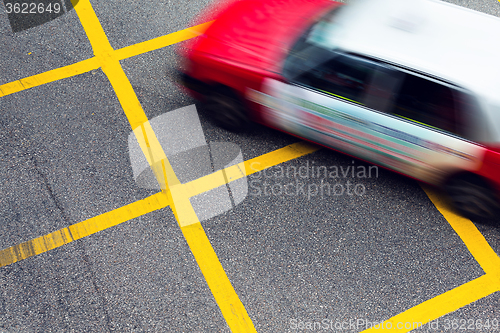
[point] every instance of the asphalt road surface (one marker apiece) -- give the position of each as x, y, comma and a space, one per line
92, 245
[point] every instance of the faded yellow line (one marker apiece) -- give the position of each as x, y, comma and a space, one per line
82, 229
50, 76
439, 306
467, 231
248, 167
230, 305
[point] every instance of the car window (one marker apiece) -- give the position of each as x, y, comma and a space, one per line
308, 52
343, 76
469, 117
428, 102
382, 88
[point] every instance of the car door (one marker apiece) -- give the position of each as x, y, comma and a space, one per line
362, 107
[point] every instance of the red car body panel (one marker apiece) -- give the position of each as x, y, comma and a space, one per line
240, 53
263, 33
490, 169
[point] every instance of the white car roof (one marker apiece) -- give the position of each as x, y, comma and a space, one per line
448, 41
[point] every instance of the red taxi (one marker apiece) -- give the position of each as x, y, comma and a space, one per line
409, 85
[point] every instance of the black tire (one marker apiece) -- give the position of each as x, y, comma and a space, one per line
472, 197
227, 109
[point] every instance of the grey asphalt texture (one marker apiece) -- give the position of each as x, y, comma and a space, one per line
291, 258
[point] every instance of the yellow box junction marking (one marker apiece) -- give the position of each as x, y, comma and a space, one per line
107, 58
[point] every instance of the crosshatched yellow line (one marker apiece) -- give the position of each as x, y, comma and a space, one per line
82, 229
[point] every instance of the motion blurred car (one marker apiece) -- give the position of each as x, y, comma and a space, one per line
411, 85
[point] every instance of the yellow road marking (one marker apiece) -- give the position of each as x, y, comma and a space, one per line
473, 239
162, 41
217, 280
248, 167
230, 305
82, 229
93, 63
50, 76
463, 295
224, 294
439, 306
125, 93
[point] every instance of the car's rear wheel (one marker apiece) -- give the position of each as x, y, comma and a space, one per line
227, 109
472, 197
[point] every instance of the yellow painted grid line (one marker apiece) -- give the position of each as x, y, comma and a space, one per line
438, 306
93, 63
473, 239
463, 295
217, 280
50, 76
162, 41
248, 167
230, 305
124, 91
82, 229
